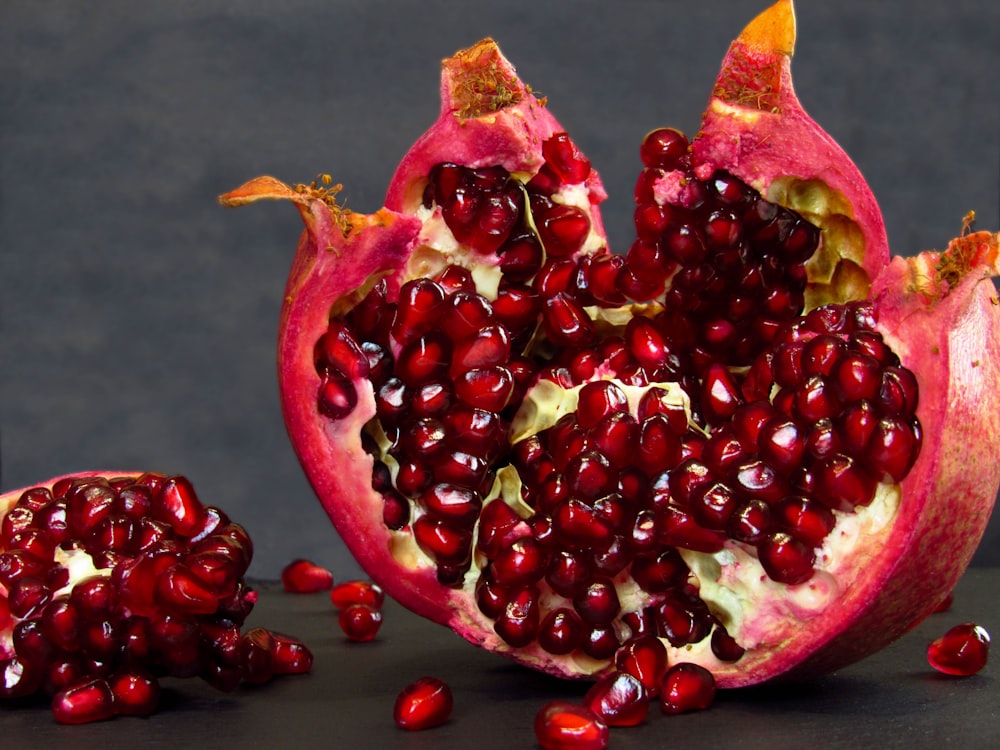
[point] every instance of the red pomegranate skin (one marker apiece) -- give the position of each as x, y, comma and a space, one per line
938, 311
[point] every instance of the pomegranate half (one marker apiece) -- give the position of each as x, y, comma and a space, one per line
752, 435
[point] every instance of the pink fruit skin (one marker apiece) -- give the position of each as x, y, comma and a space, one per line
950, 340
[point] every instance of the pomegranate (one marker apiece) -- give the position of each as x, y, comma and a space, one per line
110, 580
753, 436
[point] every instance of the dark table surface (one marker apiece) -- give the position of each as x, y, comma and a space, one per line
891, 700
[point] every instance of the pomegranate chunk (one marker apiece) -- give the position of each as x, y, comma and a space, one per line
154, 587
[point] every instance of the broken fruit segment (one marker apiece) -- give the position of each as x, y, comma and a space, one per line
113, 580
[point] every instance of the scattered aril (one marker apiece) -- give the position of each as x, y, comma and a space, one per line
357, 592
686, 687
305, 577
423, 704
619, 699
960, 652
360, 622
561, 725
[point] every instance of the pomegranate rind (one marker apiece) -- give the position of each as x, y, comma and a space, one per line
488, 117
756, 128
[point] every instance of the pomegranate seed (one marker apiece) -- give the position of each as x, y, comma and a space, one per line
84, 703
786, 559
178, 505
561, 632
565, 159
561, 725
423, 704
520, 564
519, 621
135, 694
360, 622
598, 603
686, 687
357, 592
289, 655
452, 503
618, 699
961, 651
663, 148
645, 658
305, 577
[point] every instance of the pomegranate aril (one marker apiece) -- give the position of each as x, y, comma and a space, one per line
724, 646
423, 359
565, 159
565, 321
360, 622
520, 564
598, 603
805, 519
598, 400
663, 148
619, 699
420, 305
84, 703
842, 483
686, 687
961, 651
177, 504
518, 623
357, 592
442, 542
487, 388
645, 658
135, 694
451, 502
785, 558
305, 577
423, 704
561, 725
337, 349
561, 632
568, 573
891, 449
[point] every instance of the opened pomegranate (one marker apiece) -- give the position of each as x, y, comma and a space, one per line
109, 581
751, 436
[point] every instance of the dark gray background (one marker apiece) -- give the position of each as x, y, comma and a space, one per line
139, 318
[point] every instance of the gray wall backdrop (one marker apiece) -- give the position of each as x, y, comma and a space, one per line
139, 318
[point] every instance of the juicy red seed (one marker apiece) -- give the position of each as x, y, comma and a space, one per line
656, 401
785, 558
488, 347
360, 622
722, 450
338, 349
521, 257
856, 425
601, 642
499, 526
575, 523
517, 307
720, 395
598, 603
756, 478
856, 377
464, 469
561, 632
561, 725
660, 573
518, 623
712, 505
658, 447
61, 624
619, 699
442, 542
453, 503
490, 598
86, 505
685, 244
465, 314
420, 305
18, 518
821, 354
520, 564
892, 449
431, 399
805, 519
27, 596
568, 573
395, 510
615, 437
781, 444
597, 400
961, 651
565, 159
255, 655
686, 687
305, 577
84, 703
423, 438
135, 694
423, 359
842, 483
423, 704
750, 521
487, 388
589, 475
898, 393
563, 229
645, 658
178, 504
565, 322
724, 646
663, 148
555, 277
357, 592
337, 396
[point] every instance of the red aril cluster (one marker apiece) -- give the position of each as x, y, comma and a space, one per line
359, 609
111, 582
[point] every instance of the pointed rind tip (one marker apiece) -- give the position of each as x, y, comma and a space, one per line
773, 30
